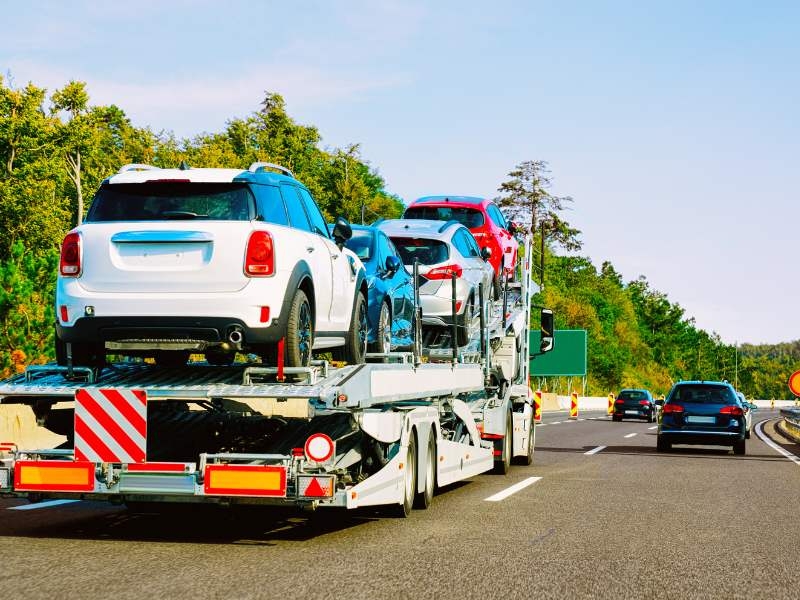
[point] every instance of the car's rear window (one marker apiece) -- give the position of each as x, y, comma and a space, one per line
169, 201
361, 244
468, 217
427, 252
632, 395
702, 394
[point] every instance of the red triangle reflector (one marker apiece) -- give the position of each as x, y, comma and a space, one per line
315, 489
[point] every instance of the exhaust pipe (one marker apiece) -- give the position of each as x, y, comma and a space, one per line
235, 335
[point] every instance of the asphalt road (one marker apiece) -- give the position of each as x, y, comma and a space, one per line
624, 522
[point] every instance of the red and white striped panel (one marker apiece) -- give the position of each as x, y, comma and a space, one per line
111, 425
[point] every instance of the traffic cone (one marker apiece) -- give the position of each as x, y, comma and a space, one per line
573, 406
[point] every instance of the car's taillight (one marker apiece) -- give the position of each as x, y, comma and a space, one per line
672, 408
734, 411
619, 401
259, 257
70, 263
445, 272
644, 403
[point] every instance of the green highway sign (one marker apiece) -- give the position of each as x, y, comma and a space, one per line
566, 359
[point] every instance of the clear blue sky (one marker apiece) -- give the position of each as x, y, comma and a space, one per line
674, 125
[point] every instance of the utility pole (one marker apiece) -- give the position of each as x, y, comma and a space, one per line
541, 258
736, 367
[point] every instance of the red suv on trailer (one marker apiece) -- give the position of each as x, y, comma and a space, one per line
481, 217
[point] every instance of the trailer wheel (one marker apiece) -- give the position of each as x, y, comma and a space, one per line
527, 460
409, 479
424, 498
502, 466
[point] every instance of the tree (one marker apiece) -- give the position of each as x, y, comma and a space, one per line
526, 196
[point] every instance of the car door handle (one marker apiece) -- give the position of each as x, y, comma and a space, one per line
310, 249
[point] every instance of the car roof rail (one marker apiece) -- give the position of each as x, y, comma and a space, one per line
257, 166
447, 224
137, 167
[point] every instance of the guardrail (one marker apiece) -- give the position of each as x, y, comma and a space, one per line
791, 423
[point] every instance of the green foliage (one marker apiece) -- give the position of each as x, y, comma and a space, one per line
27, 287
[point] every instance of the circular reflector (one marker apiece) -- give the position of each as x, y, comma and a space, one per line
319, 447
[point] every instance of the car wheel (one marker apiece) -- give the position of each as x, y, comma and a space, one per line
83, 354
171, 358
356, 340
299, 332
497, 282
383, 343
219, 358
463, 329
663, 445
739, 447
615, 418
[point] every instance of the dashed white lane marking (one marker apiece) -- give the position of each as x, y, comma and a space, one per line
513, 489
555, 423
37, 505
581, 419
630, 435
653, 427
763, 437
541, 424
595, 450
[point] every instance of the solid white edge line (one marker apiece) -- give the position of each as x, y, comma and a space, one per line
763, 437
630, 435
47, 504
555, 423
595, 450
512, 490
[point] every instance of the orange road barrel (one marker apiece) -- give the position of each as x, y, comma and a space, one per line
573, 406
611, 403
537, 406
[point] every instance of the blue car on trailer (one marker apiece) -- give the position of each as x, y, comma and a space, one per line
390, 291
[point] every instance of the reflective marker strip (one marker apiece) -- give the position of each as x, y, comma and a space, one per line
512, 490
595, 450
763, 437
53, 475
111, 425
48, 504
245, 480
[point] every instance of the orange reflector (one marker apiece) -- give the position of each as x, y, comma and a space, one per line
53, 476
264, 314
245, 480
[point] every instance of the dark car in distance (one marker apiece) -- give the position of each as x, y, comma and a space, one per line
390, 293
635, 404
702, 413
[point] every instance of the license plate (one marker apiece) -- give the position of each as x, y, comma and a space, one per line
631, 412
701, 420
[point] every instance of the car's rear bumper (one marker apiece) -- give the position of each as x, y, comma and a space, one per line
630, 412
153, 330
702, 438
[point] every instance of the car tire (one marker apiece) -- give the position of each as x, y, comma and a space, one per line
663, 445
219, 358
83, 354
616, 419
462, 331
171, 358
355, 346
383, 343
497, 283
739, 447
299, 332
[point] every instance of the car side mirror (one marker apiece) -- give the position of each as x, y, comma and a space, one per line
393, 264
486, 253
548, 334
342, 231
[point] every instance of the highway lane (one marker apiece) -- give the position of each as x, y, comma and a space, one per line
625, 522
